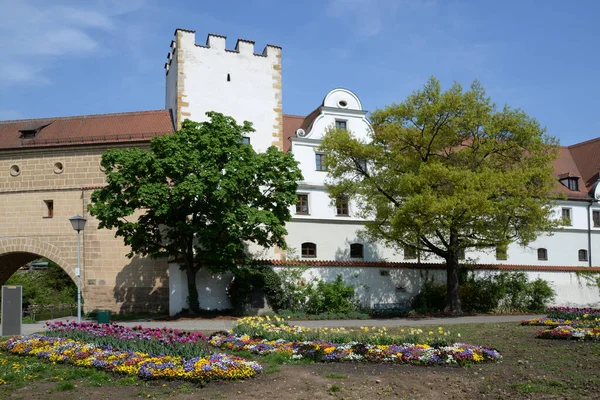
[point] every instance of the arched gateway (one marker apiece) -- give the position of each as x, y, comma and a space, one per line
48, 171
16, 252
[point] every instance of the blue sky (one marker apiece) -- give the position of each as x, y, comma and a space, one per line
88, 57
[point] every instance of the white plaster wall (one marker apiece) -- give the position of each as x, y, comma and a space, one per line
333, 241
395, 285
252, 94
212, 290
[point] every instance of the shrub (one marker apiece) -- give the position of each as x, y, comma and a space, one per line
506, 291
431, 298
331, 297
248, 280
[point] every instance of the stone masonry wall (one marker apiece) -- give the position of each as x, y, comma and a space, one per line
67, 176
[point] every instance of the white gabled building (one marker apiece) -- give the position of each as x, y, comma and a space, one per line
325, 235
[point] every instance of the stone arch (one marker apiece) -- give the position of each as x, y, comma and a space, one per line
19, 251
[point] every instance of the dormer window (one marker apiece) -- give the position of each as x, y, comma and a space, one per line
571, 182
28, 133
32, 130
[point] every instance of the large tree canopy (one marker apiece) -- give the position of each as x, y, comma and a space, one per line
447, 171
198, 195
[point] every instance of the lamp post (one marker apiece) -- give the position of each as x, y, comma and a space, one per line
78, 223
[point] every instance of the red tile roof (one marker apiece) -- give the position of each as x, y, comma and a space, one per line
414, 265
291, 123
85, 129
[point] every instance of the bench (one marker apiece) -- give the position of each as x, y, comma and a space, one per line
380, 309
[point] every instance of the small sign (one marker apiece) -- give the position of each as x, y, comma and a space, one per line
12, 310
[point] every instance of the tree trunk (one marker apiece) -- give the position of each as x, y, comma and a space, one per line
452, 283
193, 302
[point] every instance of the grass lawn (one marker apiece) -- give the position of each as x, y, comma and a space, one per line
531, 368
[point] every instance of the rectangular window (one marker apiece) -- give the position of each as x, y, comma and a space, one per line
574, 184
341, 206
566, 216
501, 253
341, 124
302, 204
246, 140
49, 208
596, 217
409, 253
320, 161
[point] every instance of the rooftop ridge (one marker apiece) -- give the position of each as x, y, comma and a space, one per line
84, 116
582, 143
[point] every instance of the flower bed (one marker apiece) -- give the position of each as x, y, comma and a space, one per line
278, 329
545, 321
63, 350
570, 332
164, 335
573, 313
458, 353
147, 340
264, 335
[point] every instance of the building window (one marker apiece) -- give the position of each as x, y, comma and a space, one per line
245, 140
566, 216
302, 204
320, 161
572, 183
409, 253
356, 250
583, 255
309, 249
501, 253
228, 78
542, 254
596, 217
341, 206
340, 124
49, 208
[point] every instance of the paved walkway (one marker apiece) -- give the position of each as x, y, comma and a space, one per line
218, 325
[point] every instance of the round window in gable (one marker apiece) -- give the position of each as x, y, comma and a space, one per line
15, 170
58, 168
342, 103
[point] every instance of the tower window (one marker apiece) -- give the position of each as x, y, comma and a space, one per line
49, 208
542, 254
228, 78
309, 250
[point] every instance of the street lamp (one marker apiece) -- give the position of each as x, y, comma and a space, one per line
78, 223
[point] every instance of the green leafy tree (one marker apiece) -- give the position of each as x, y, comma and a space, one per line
444, 171
45, 287
199, 196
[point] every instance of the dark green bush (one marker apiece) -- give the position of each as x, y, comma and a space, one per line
506, 291
431, 298
248, 280
331, 297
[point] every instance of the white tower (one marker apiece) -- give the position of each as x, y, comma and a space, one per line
238, 83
